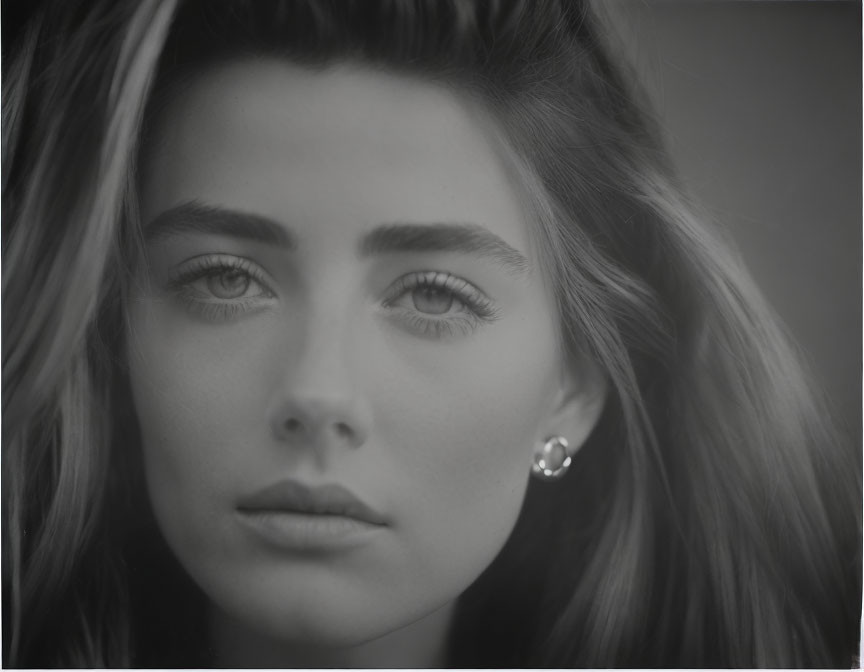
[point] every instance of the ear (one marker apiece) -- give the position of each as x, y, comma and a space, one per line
578, 402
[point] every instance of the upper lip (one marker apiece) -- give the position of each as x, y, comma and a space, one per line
293, 497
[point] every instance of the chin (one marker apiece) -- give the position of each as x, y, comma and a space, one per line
324, 622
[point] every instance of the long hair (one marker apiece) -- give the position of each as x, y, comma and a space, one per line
712, 519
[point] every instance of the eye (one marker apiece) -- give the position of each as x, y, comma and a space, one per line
435, 303
228, 284
220, 286
432, 300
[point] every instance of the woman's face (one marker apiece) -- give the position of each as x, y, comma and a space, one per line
342, 353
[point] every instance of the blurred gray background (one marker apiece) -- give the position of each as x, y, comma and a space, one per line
761, 102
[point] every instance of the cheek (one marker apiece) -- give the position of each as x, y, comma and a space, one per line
200, 412
471, 422
460, 433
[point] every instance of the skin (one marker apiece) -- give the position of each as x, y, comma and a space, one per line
320, 371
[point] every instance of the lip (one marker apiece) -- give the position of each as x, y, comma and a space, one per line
296, 517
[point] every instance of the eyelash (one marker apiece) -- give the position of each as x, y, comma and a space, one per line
478, 309
213, 265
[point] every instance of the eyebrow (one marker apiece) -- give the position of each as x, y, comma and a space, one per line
460, 238
463, 238
195, 217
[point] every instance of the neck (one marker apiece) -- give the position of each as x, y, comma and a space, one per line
420, 644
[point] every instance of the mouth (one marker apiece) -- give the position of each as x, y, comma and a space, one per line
296, 517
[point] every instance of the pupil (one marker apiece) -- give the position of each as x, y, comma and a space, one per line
432, 301
228, 285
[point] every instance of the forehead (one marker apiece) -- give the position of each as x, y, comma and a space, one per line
335, 147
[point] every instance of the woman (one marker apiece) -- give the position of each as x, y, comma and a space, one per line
299, 294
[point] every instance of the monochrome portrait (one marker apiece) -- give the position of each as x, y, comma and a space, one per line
431, 333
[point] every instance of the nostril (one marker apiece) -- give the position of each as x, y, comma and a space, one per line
293, 425
344, 430
311, 424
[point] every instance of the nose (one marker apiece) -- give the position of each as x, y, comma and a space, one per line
320, 420
317, 403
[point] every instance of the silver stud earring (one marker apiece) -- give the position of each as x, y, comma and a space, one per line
551, 460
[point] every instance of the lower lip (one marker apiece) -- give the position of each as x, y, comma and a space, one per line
292, 531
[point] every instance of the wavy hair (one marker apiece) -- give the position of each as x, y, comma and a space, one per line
713, 517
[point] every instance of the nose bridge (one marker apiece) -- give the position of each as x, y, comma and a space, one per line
320, 400
323, 365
